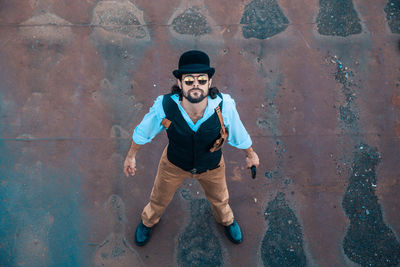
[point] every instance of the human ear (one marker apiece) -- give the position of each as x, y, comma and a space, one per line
179, 83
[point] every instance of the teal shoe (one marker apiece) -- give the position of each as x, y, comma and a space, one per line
234, 233
143, 234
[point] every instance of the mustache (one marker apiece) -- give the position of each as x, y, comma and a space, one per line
196, 89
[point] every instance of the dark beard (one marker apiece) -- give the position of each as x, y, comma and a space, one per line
194, 100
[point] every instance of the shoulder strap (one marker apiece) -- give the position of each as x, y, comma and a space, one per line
221, 120
223, 133
167, 106
166, 123
222, 99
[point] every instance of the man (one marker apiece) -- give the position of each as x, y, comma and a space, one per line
197, 119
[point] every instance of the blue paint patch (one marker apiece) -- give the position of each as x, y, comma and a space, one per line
7, 220
7, 111
41, 222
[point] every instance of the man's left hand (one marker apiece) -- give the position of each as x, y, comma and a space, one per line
252, 159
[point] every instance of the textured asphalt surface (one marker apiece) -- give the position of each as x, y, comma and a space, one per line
316, 83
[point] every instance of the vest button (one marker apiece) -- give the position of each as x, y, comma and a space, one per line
193, 171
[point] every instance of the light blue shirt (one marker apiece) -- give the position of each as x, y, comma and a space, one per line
151, 125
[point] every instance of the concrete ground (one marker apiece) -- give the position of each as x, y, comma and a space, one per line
316, 83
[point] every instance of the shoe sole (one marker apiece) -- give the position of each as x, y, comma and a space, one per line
141, 244
233, 240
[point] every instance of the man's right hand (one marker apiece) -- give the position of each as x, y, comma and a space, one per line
130, 166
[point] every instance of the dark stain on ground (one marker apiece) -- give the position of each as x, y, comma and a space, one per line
283, 242
117, 251
368, 242
186, 194
191, 22
347, 115
37, 45
347, 112
198, 245
120, 21
343, 74
349, 94
118, 58
270, 117
269, 174
262, 19
338, 18
277, 173
392, 10
116, 91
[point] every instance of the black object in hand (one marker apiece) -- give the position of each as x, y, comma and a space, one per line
253, 172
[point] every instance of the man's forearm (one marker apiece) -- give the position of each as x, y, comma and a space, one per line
249, 151
133, 149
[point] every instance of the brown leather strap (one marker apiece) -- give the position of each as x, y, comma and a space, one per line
221, 120
224, 134
166, 123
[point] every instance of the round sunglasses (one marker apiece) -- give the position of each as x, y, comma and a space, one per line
201, 79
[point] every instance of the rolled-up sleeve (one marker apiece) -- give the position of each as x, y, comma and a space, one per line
150, 125
237, 134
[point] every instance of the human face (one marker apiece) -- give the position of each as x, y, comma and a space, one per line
193, 90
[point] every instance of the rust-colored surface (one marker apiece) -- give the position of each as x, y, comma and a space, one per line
398, 130
76, 77
396, 99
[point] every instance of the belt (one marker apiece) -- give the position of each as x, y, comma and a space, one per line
196, 171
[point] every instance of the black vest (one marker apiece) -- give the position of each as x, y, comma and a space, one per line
187, 149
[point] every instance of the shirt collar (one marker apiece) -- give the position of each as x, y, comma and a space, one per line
209, 111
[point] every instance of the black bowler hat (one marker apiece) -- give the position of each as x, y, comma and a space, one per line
194, 61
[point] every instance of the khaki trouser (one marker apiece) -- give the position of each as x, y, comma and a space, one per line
169, 177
